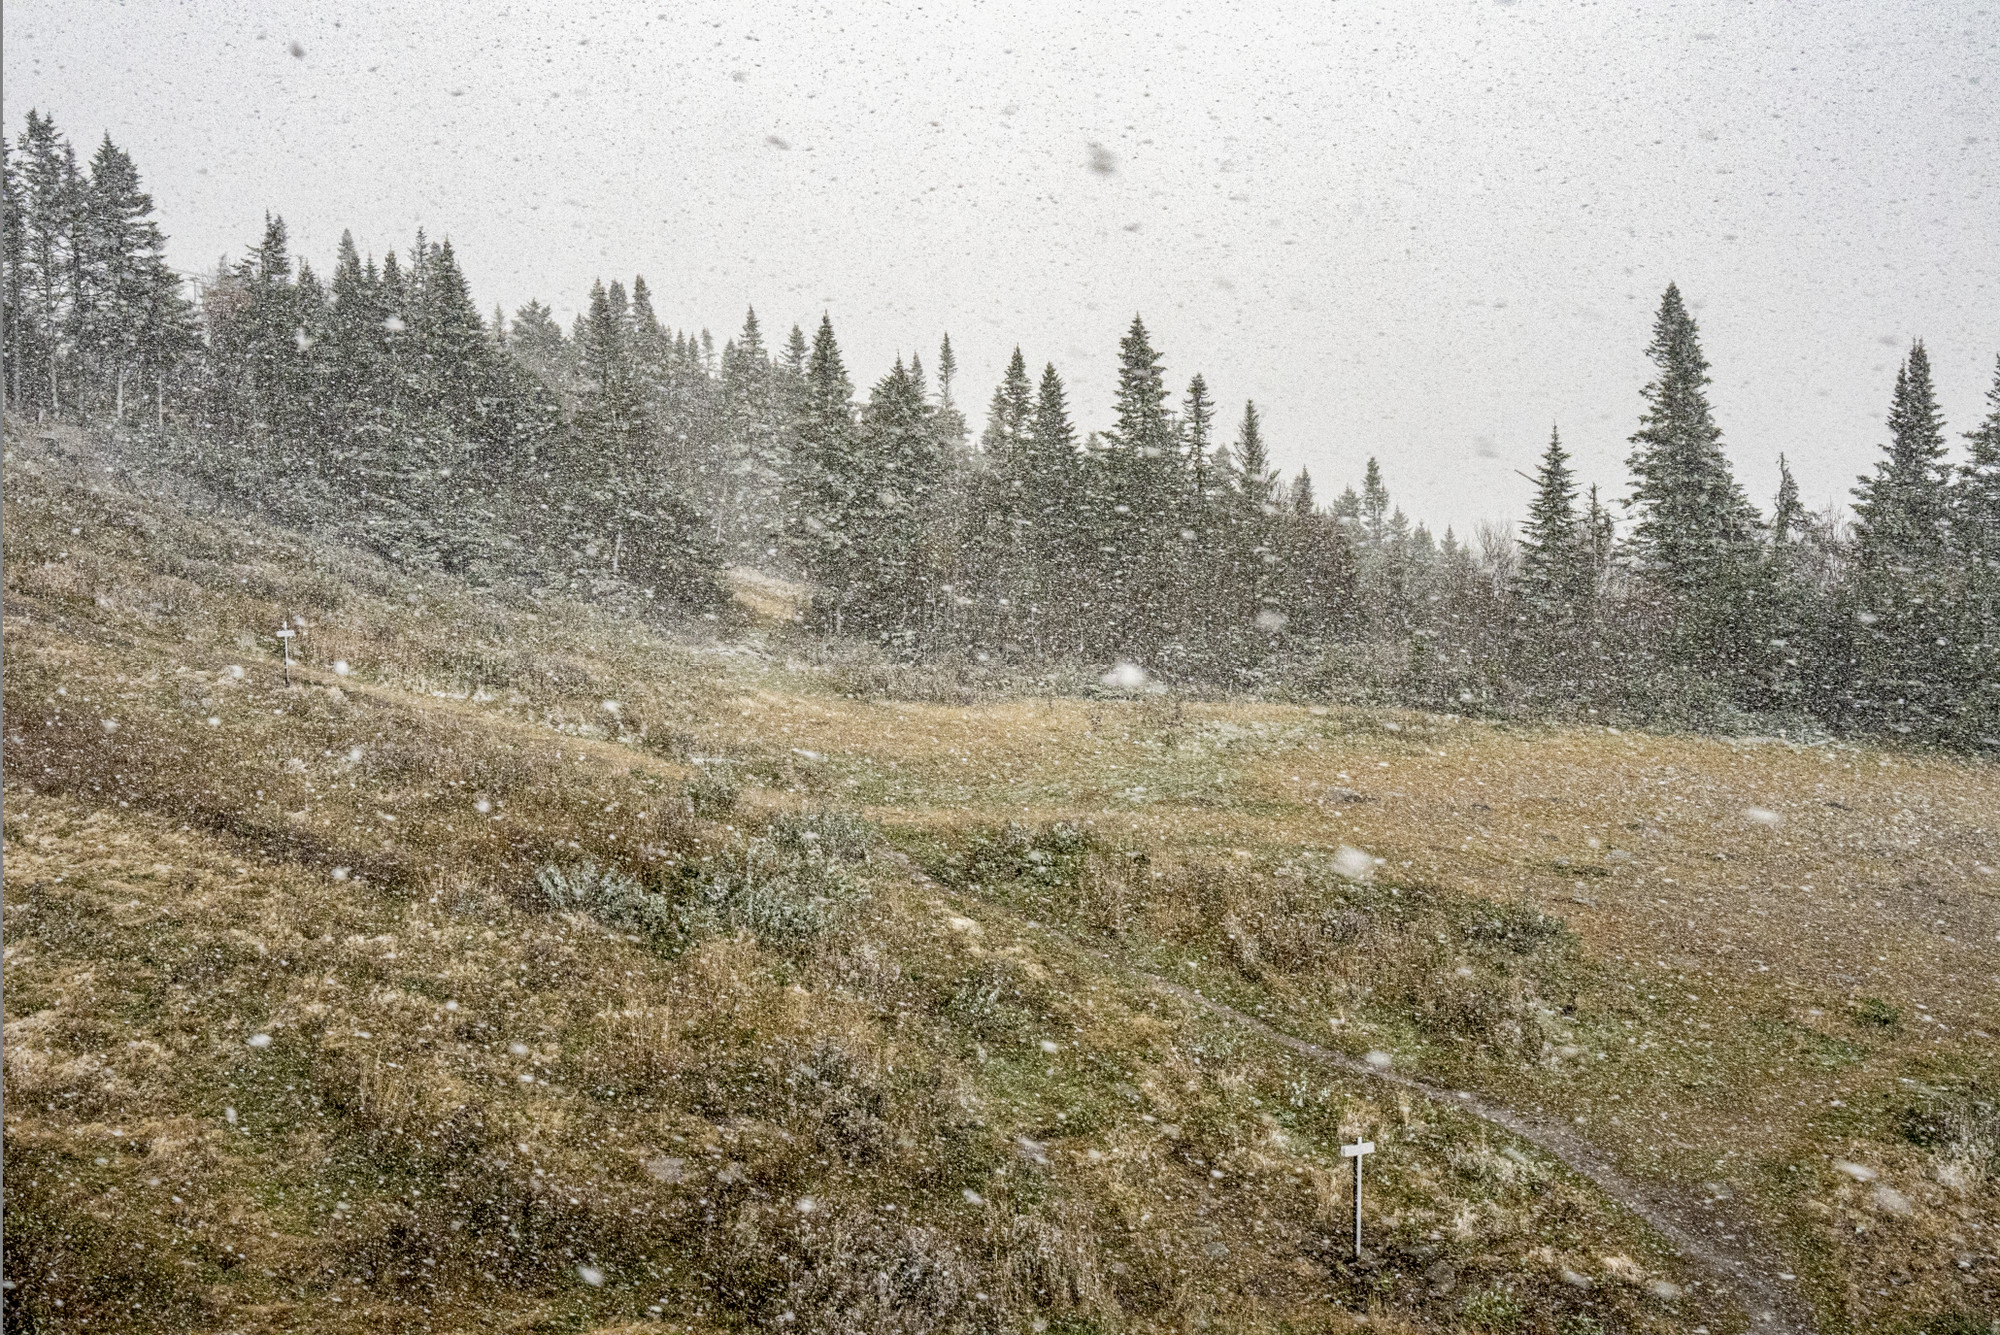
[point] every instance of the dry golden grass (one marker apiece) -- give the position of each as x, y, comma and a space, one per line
173, 892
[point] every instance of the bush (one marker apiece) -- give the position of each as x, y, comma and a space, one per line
1494, 1310
774, 894
609, 896
712, 796
1876, 1012
1521, 928
840, 835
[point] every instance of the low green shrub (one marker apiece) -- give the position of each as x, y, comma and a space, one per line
608, 895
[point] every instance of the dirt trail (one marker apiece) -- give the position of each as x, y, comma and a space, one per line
1714, 1242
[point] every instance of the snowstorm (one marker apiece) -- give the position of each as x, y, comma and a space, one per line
942, 670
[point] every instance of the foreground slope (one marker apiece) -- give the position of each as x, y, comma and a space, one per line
544, 971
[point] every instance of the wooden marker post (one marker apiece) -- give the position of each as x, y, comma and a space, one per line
285, 634
1355, 1152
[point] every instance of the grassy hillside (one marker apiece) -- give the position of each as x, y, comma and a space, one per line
521, 966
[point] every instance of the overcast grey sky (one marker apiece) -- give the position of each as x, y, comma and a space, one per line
1417, 230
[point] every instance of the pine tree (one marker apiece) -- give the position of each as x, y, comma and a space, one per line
1303, 504
1144, 433
750, 458
947, 372
1600, 536
50, 198
1555, 566
1976, 508
1788, 516
1976, 516
1374, 508
884, 584
1140, 497
612, 427
1902, 513
1198, 425
1906, 590
1008, 415
1694, 527
1057, 522
136, 324
538, 341
14, 327
1254, 479
825, 473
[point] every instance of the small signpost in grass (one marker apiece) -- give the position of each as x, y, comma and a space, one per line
1355, 1152
285, 634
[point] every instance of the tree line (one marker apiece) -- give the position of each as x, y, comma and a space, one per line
622, 457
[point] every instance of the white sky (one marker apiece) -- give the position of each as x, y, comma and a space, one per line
1417, 230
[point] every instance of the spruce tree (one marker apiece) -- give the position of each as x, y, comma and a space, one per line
1600, 535
1788, 516
1374, 508
14, 341
747, 473
1976, 516
1694, 528
883, 584
825, 473
1058, 522
1905, 583
1976, 500
1198, 425
949, 421
1554, 565
1902, 514
1144, 429
1137, 501
137, 325
50, 189
1254, 479
1008, 415
947, 371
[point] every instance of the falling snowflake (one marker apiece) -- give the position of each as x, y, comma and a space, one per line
1353, 864
1125, 677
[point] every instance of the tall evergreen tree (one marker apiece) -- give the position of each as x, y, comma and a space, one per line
826, 472
1906, 585
14, 327
1137, 494
1057, 523
137, 325
884, 582
50, 189
1141, 403
1976, 516
1198, 425
1255, 482
1694, 525
1374, 507
1788, 516
1902, 513
1008, 415
750, 458
1976, 507
1555, 566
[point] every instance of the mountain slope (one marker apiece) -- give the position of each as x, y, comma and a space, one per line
522, 966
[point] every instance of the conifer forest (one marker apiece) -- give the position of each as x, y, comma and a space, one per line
943, 522
1224, 695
